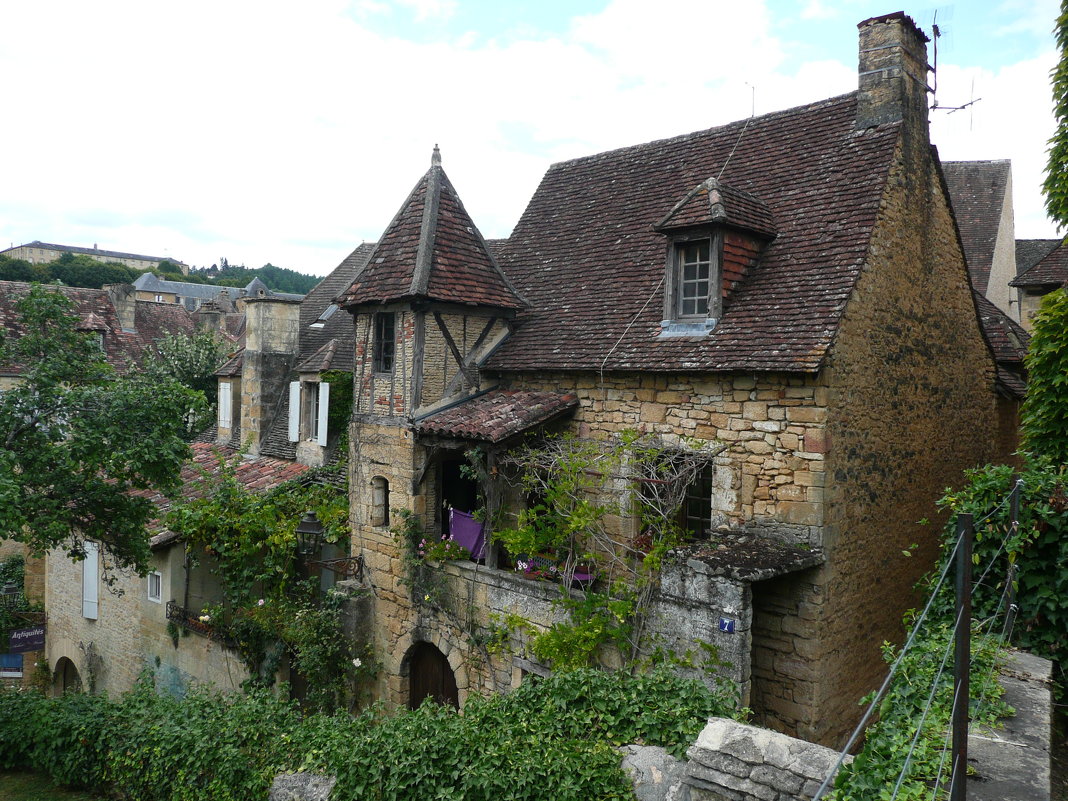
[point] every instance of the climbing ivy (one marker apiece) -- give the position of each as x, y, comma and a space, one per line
267, 610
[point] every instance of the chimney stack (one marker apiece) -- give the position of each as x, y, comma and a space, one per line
893, 73
272, 337
123, 299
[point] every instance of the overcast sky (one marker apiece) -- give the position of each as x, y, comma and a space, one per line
288, 132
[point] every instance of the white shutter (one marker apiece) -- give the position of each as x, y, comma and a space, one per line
324, 406
91, 581
226, 419
294, 411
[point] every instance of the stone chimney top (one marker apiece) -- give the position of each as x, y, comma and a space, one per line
893, 73
123, 299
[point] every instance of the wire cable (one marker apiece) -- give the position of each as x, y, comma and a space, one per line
889, 677
926, 710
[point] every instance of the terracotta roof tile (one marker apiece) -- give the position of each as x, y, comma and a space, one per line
497, 415
977, 190
233, 365
96, 310
715, 202
200, 473
1030, 252
322, 359
1008, 342
1050, 270
586, 258
432, 250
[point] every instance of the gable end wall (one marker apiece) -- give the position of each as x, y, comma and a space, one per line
912, 405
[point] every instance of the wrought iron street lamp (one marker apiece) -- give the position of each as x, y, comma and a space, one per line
309, 534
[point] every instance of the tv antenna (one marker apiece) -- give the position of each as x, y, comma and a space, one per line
935, 105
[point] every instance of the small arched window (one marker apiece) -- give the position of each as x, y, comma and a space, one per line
379, 501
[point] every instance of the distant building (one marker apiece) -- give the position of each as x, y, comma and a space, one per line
981, 194
1041, 267
193, 296
42, 252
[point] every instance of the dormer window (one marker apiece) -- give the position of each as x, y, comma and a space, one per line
715, 234
328, 312
694, 275
692, 302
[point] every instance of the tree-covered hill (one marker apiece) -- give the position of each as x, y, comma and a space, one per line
82, 271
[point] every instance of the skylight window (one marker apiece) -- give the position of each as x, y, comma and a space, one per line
328, 312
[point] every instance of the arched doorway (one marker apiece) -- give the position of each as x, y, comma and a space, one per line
66, 678
430, 676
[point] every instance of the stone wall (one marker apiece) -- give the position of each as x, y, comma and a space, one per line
273, 328
130, 633
772, 473
734, 762
912, 404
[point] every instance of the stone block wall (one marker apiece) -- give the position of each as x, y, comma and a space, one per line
130, 633
773, 471
785, 651
381, 394
732, 761
912, 405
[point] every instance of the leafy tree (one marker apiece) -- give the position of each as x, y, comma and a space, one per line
191, 360
76, 440
1044, 417
20, 270
1056, 183
82, 270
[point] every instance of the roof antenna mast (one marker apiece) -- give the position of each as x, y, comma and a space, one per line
936, 34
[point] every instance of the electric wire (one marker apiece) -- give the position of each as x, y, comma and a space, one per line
904, 650
926, 710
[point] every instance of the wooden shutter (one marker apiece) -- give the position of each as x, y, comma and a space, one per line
294, 411
324, 406
91, 581
226, 419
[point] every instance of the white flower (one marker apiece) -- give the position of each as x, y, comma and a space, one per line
205, 618
260, 603
357, 662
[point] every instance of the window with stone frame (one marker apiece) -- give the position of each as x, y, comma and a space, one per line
695, 515
384, 341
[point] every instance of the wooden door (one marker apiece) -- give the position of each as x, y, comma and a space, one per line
430, 676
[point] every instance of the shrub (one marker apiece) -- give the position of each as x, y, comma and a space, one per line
553, 738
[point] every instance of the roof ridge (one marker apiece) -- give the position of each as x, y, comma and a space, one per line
658, 143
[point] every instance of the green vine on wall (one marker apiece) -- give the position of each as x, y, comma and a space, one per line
581, 489
267, 609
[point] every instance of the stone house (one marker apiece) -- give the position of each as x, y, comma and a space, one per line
764, 286
1042, 267
126, 329
43, 252
981, 195
102, 636
151, 287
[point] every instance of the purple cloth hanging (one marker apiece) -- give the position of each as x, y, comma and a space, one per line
468, 532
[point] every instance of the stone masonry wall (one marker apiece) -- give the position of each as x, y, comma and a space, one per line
772, 472
731, 761
383, 394
130, 633
912, 405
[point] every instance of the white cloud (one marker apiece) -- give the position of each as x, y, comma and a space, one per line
1012, 118
429, 9
815, 9
261, 131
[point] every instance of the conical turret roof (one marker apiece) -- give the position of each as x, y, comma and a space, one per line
432, 251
